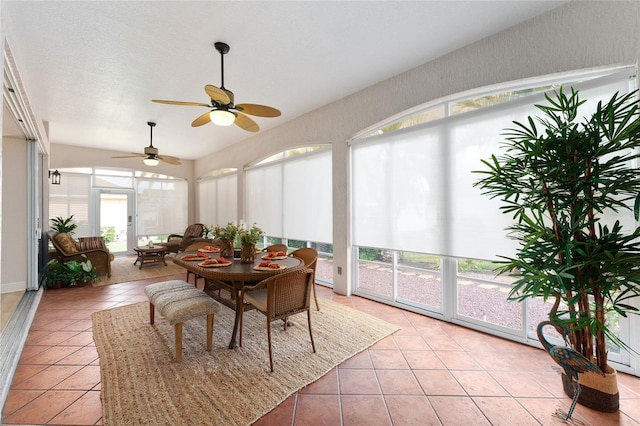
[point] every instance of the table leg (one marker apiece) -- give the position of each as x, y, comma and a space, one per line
239, 312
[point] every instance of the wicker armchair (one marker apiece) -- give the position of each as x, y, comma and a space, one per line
94, 248
309, 257
276, 247
280, 296
177, 243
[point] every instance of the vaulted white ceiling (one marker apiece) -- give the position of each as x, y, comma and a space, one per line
91, 68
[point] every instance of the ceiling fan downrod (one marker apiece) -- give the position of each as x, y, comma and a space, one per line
223, 48
151, 126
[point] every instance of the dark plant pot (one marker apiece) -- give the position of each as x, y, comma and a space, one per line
598, 392
55, 285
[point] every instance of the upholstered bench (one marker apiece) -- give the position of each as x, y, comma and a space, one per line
177, 301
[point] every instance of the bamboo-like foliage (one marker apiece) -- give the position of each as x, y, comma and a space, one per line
560, 173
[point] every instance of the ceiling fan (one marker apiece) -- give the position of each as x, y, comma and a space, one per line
151, 157
223, 110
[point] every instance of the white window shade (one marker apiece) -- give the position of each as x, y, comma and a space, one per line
307, 205
72, 197
162, 206
227, 199
413, 189
397, 195
264, 198
292, 198
207, 194
218, 200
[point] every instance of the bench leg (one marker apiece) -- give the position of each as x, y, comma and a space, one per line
209, 331
178, 333
151, 313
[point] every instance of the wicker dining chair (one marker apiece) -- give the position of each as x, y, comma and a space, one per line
279, 297
276, 247
198, 243
310, 258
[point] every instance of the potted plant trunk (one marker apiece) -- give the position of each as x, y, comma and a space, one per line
568, 181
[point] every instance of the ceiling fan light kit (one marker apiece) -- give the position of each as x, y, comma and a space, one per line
222, 117
222, 101
149, 161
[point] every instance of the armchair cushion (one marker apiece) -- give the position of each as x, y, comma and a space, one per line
66, 242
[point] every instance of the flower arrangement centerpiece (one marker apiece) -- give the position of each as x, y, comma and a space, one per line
249, 238
226, 235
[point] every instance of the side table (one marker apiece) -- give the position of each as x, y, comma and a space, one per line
150, 255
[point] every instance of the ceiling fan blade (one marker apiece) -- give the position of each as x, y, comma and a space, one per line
217, 94
203, 119
169, 159
160, 101
135, 154
258, 110
246, 123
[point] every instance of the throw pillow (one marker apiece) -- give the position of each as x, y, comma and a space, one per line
90, 243
66, 242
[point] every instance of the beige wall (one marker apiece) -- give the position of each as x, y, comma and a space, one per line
13, 262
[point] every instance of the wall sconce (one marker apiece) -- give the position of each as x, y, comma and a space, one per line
55, 177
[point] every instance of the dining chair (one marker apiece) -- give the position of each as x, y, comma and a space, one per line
310, 258
196, 244
276, 247
279, 297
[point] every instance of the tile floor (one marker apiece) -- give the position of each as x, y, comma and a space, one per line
428, 373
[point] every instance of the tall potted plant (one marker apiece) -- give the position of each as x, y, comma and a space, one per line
564, 178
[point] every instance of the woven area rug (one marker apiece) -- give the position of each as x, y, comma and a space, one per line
142, 384
123, 270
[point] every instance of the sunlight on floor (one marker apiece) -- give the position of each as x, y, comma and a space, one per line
9, 303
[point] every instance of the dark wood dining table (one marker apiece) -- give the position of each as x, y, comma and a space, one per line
233, 278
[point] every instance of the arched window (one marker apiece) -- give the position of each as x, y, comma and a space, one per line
424, 236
